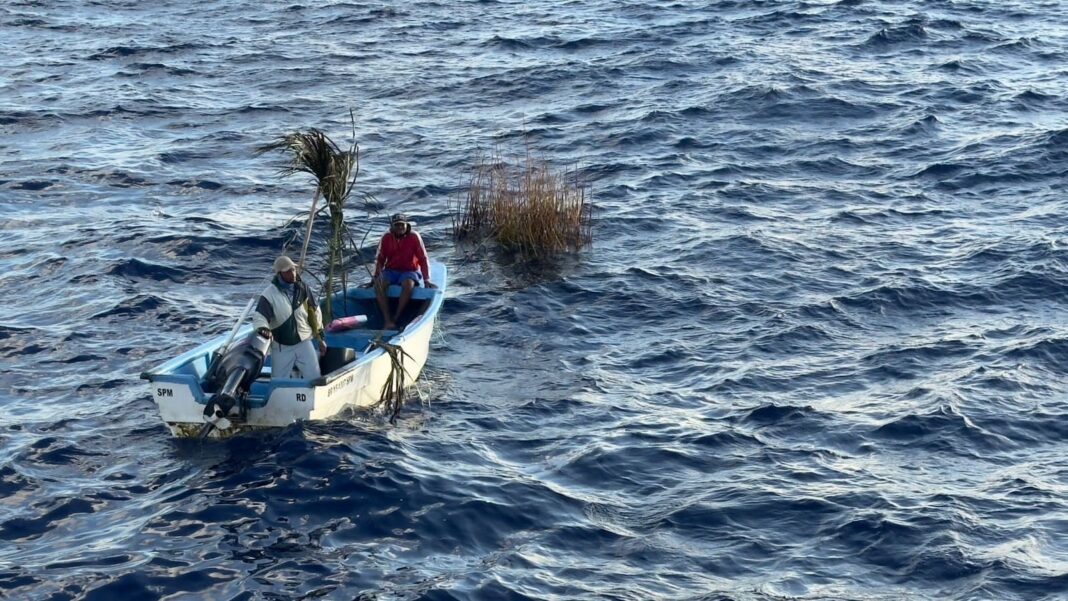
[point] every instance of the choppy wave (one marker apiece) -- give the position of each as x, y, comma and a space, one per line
815, 351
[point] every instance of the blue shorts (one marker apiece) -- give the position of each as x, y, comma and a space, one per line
392, 276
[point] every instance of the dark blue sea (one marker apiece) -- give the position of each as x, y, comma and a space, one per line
818, 349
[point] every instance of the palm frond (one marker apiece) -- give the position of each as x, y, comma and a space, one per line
335, 171
314, 153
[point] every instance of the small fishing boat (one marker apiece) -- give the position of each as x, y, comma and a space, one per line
221, 388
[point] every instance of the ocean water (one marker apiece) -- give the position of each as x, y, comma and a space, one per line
816, 351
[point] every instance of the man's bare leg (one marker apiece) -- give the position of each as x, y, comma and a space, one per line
407, 286
381, 290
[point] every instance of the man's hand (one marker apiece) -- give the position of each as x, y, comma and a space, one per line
322, 348
430, 284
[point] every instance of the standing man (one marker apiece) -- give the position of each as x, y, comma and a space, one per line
401, 260
289, 310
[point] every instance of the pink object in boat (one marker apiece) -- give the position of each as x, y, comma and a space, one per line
346, 323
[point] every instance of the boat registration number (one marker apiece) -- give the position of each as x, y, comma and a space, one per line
336, 386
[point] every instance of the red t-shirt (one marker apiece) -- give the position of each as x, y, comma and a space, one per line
406, 253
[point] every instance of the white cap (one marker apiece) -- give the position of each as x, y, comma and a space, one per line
283, 263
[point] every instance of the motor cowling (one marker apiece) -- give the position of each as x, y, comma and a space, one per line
233, 372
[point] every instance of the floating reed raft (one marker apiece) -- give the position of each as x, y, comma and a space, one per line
526, 207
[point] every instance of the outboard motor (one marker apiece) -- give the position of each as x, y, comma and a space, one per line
231, 376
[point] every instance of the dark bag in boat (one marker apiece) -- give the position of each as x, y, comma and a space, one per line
334, 358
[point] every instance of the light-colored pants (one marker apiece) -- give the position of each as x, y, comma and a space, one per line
300, 360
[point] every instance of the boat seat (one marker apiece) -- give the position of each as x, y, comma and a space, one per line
372, 334
356, 339
394, 291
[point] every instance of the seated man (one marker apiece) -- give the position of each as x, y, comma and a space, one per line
401, 260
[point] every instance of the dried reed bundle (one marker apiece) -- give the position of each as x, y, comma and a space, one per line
528, 208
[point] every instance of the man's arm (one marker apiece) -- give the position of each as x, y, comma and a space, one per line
264, 313
420, 253
315, 318
380, 257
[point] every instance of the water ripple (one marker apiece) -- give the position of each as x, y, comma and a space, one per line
814, 353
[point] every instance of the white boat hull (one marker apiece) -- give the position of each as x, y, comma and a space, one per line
274, 403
